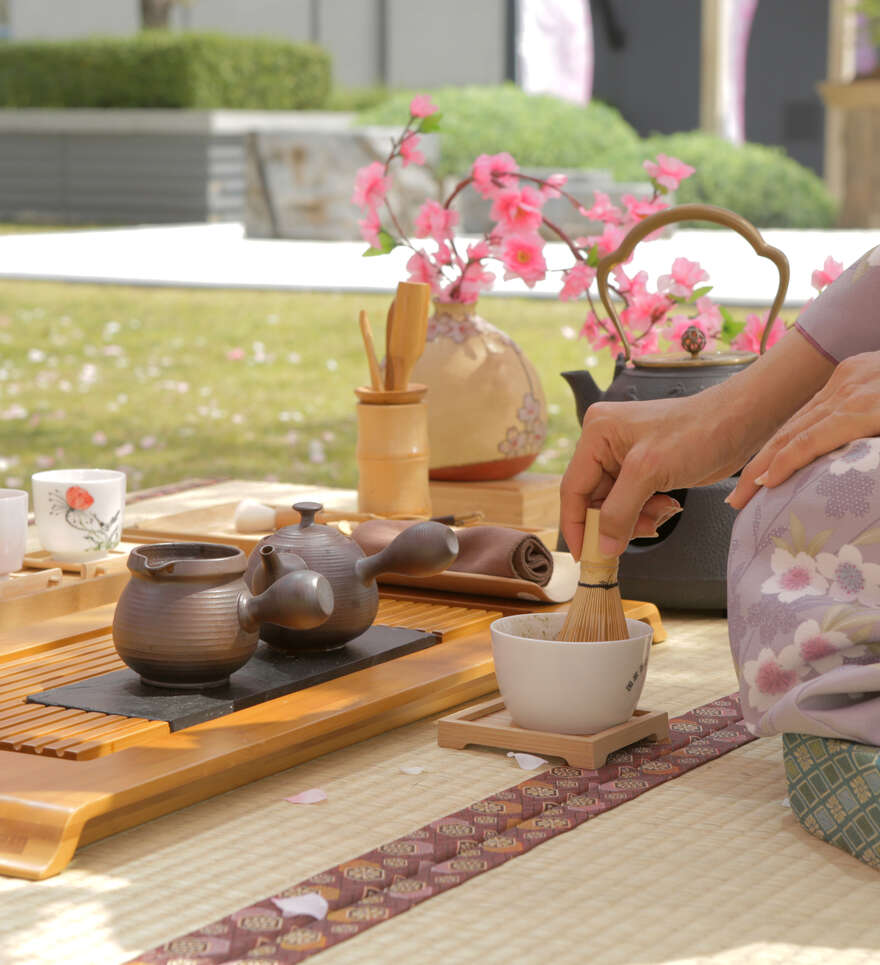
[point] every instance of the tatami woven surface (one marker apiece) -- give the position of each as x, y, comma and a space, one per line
710, 867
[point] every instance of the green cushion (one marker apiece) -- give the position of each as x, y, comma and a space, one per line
834, 790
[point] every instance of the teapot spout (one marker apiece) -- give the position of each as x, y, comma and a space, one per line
299, 600
585, 390
274, 565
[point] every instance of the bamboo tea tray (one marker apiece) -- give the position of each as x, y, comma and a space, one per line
45, 588
489, 724
69, 777
215, 524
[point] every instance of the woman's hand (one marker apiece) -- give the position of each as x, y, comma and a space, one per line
846, 408
630, 452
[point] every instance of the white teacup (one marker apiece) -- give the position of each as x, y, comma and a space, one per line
13, 529
78, 512
567, 688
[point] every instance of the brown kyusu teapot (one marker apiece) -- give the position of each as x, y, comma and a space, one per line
186, 619
420, 550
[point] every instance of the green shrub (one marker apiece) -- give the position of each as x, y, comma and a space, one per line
759, 182
538, 130
356, 98
161, 69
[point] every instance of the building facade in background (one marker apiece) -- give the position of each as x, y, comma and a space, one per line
736, 67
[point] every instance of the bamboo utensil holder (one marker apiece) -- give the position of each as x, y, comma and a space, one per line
392, 458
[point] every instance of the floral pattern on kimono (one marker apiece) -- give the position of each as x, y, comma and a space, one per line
804, 599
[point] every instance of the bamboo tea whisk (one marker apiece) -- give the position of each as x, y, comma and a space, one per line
596, 612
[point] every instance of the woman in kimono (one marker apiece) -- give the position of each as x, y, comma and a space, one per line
804, 567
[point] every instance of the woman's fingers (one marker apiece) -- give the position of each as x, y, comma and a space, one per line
622, 507
815, 440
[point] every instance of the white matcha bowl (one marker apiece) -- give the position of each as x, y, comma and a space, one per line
567, 688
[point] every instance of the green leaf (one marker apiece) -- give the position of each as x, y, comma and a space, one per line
387, 243
593, 256
798, 533
730, 330
430, 123
818, 541
699, 292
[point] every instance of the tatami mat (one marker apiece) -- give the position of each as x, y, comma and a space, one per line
710, 867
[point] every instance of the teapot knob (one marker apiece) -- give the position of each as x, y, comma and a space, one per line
307, 512
693, 340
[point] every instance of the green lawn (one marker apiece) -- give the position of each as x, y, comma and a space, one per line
149, 380
174, 383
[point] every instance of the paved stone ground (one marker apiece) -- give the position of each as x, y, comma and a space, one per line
220, 256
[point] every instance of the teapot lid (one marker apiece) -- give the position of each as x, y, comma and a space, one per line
308, 536
693, 341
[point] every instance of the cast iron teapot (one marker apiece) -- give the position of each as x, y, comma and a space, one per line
421, 550
661, 376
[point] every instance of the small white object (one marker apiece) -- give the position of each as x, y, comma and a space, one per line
786, 803
311, 903
414, 769
528, 762
313, 796
252, 516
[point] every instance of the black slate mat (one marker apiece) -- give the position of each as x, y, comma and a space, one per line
268, 674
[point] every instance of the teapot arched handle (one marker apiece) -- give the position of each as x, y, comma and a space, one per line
691, 212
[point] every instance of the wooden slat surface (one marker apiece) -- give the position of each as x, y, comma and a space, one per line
81, 735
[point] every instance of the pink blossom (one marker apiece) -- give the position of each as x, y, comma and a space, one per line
668, 171
370, 227
370, 186
517, 210
443, 254
684, 278
649, 342
637, 285
409, 150
478, 251
644, 310
523, 257
422, 270
710, 316
602, 210
422, 106
828, 273
609, 240
491, 167
577, 280
749, 339
235, 354
474, 280
552, 184
597, 335
639, 208
435, 221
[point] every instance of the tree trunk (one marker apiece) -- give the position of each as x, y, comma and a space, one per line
154, 14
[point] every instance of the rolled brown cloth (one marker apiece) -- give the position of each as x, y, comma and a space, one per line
494, 550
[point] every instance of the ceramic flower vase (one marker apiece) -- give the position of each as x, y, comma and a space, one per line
487, 417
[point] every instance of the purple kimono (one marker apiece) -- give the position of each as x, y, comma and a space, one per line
804, 566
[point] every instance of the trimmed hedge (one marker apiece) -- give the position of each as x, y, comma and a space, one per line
761, 183
161, 69
538, 130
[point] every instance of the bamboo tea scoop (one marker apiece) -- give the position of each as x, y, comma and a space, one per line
596, 612
369, 346
405, 335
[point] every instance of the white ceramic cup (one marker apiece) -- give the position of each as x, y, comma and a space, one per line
13, 530
567, 688
78, 512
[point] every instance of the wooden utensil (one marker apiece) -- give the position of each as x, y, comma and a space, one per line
405, 336
596, 612
372, 361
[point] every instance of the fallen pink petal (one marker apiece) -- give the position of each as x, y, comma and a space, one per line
313, 796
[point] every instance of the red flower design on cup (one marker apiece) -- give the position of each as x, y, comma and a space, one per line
78, 498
